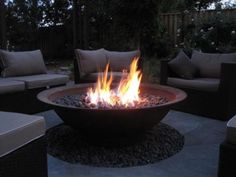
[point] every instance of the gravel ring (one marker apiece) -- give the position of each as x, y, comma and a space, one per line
159, 143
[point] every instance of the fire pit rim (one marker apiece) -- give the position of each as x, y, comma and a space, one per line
44, 97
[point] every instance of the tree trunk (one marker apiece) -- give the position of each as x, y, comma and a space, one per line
75, 24
35, 22
183, 25
3, 41
85, 26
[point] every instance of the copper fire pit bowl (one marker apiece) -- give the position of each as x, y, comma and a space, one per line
112, 122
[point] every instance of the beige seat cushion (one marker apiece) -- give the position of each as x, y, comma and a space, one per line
121, 60
92, 77
42, 80
90, 60
209, 65
17, 130
231, 130
22, 63
201, 84
9, 86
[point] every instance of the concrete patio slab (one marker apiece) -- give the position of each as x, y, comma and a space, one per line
198, 158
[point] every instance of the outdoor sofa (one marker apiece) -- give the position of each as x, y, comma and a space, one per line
23, 76
208, 79
89, 64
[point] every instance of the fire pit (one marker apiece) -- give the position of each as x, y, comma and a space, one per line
112, 121
113, 109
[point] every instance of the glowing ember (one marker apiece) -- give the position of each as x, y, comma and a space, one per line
126, 94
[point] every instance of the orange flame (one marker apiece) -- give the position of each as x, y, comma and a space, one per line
127, 92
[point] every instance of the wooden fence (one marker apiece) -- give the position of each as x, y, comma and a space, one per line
174, 22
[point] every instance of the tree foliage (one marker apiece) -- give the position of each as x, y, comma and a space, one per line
181, 5
215, 35
138, 19
112, 24
24, 18
121, 24
2, 25
55, 12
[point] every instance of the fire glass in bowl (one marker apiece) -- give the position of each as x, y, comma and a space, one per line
112, 122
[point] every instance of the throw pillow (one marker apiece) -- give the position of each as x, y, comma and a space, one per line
22, 63
182, 66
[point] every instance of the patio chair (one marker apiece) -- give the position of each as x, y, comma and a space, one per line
23, 76
89, 64
22, 145
208, 79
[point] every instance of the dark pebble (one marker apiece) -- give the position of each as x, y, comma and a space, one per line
82, 101
159, 143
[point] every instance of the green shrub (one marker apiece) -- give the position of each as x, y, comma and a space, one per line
216, 35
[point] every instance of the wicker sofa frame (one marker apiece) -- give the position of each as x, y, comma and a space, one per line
21, 82
23, 101
20, 162
219, 105
227, 160
227, 151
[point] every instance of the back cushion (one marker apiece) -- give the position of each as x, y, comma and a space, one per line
22, 63
90, 61
121, 60
209, 65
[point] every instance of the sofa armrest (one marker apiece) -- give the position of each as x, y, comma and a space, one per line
227, 88
164, 71
140, 64
228, 77
76, 71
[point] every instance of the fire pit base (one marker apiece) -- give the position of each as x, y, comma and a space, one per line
157, 144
